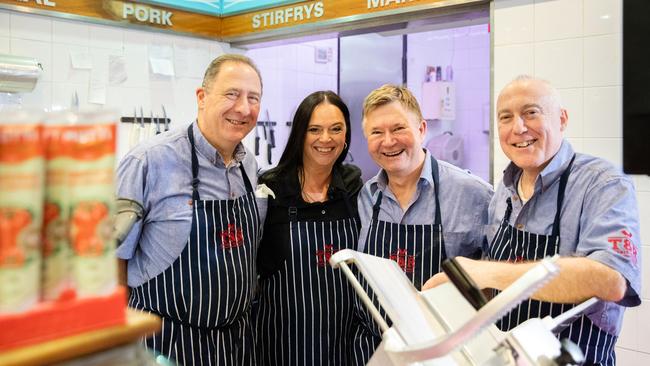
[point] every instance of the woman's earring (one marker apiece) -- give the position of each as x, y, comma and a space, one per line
345, 145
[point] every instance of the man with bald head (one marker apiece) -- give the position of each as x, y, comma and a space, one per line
551, 201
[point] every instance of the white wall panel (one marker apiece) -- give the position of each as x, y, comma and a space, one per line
5, 24
610, 148
603, 112
5, 45
36, 28
106, 37
560, 62
603, 60
572, 101
512, 60
566, 16
62, 68
70, 32
602, 17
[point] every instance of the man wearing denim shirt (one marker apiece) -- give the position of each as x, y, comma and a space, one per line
191, 259
416, 210
555, 201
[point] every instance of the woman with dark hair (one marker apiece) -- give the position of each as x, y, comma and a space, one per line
303, 307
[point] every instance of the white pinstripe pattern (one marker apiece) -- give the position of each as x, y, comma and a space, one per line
597, 345
384, 239
304, 312
198, 336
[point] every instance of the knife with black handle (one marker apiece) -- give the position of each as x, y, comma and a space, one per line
257, 141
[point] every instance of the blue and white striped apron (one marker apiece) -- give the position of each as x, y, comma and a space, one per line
418, 249
304, 311
204, 297
514, 245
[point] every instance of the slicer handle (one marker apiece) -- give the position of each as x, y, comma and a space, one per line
464, 283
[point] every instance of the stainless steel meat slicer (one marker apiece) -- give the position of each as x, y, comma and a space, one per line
452, 324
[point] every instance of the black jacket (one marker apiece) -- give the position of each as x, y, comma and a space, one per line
342, 203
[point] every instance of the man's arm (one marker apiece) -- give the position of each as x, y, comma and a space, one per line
579, 279
129, 183
122, 276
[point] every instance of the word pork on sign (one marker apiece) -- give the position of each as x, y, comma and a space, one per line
147, 14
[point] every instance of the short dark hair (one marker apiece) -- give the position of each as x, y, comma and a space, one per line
215, 66
291, 160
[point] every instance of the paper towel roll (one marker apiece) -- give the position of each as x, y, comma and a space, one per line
447, 147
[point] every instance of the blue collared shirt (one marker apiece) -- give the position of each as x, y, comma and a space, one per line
598, 213
464, 200
158, 173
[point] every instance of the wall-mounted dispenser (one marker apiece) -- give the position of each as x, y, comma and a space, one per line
18, 74
439, 100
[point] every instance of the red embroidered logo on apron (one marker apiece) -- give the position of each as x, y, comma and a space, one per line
232, 237
624, 246
323, 256
405, 261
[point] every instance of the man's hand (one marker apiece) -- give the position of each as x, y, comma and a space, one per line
472, 267
435, 281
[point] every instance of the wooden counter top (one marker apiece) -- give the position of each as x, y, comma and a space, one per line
137, 324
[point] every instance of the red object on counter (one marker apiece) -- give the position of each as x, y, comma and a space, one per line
61, 318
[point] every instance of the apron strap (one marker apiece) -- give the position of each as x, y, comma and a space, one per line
195, 164
506, 216
560, 196
293, 213
376, 206
436, 183
247, 182
348, 205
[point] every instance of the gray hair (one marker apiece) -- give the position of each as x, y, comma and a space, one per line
215, 66
525, 78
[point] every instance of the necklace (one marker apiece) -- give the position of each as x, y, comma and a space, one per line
317, 196
311, 197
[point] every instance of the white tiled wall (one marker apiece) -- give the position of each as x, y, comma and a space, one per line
577, 46
51, 41
290, 73
467, 50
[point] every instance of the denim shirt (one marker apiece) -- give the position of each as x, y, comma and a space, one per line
158, 173
598, 214
464, 200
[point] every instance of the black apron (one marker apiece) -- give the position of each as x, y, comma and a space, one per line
514, 245
204, 297
418, 249
304, 311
